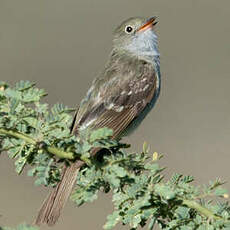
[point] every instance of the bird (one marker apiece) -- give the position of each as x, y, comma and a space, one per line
119, 99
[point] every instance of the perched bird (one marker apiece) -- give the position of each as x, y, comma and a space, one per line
120, 98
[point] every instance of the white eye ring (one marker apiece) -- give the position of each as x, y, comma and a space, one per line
128, 29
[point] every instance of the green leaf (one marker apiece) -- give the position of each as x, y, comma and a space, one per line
102, 133
136, 220
31, 121
113, 180
20, 164
13, 105
187, 179
182, 212
33, 95
21, 227
220, 191
119, 171
165, 191
152, 223
60, 108
112, 220
13, 94
24, 85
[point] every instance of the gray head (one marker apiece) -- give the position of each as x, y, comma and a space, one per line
137, 36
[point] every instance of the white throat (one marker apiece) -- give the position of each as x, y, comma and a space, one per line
144, 44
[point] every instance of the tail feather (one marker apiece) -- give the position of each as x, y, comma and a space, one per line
52, 206
55, 202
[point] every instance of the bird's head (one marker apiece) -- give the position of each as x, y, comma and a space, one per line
137, 36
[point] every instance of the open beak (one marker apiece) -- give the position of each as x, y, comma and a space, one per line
149, 24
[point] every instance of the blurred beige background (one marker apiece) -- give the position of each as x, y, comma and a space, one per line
62, 44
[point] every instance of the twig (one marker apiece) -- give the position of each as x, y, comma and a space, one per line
53, 150
206, 212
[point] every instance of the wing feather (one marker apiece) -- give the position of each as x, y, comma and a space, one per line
117, 98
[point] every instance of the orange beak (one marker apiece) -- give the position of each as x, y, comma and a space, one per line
149, 24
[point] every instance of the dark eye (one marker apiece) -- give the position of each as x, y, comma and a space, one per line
128, 29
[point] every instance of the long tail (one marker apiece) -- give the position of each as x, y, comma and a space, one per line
52, 206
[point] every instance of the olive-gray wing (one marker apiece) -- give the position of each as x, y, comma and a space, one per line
119, 103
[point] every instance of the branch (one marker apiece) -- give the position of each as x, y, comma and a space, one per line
15, 134
53, 150
202, 210
141, 195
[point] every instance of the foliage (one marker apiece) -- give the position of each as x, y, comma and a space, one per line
22, 113
20, 227
37, 136
140, 195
